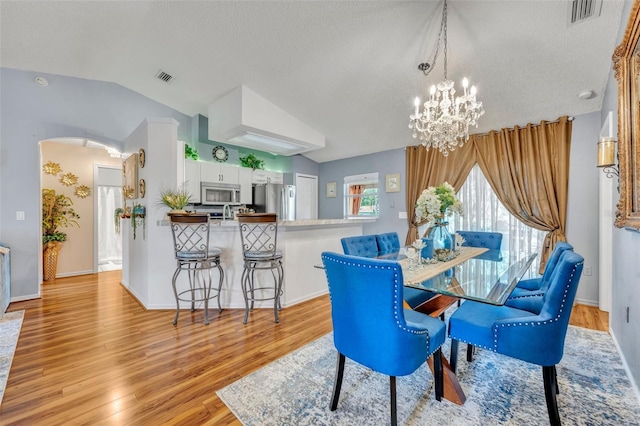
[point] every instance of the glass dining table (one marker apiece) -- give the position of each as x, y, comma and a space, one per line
487, 276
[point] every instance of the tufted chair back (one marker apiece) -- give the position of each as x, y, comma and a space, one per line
388, 242
361, 245
490, 240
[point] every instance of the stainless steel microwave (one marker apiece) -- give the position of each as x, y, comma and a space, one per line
219, 194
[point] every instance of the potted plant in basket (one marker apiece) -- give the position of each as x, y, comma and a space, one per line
57, 212
175, 199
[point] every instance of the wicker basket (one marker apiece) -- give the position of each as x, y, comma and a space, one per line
50, 260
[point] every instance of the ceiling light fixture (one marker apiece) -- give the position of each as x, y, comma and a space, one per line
444, 122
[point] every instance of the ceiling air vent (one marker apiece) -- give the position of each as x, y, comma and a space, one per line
167, 78
583, 10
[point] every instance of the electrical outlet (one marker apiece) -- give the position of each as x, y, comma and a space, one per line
402, 215
587, 271
19, 215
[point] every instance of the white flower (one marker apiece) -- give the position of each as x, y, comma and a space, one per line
437, 202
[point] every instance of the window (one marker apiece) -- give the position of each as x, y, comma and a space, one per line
484, 212
361, 196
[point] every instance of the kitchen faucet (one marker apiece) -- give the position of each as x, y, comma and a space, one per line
224, 212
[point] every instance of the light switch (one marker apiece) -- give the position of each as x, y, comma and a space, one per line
19, 215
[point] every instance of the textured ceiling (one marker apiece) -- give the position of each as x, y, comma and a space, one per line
346, 68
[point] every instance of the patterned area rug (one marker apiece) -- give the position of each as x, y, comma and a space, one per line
296, 390
10, 325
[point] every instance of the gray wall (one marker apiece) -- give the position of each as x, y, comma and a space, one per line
391, 203
68, 107
626, 268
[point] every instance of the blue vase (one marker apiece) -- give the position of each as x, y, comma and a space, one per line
427, 251
442, 241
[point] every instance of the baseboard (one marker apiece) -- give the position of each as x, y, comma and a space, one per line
26, 297
634, 385
75, 274
588, 302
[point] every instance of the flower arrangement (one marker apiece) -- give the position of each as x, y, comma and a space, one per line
435, 203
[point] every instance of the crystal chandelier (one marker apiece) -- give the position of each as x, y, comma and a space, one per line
445, 120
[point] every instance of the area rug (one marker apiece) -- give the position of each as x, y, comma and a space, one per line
10, 325
296, 390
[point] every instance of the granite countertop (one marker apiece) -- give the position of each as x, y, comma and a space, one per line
284, 223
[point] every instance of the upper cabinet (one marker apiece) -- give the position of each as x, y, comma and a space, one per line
246, 196
192, 179
219, 173
266, 176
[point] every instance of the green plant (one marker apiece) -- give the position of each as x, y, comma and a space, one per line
138, 213
175, 199
191, 153
56, 213
251, 161
117, 215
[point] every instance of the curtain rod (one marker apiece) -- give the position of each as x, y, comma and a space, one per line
569, 118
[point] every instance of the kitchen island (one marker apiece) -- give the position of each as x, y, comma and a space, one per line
302, 243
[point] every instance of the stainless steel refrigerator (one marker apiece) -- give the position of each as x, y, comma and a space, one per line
275, 198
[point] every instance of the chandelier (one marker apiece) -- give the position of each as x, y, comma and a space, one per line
444, 122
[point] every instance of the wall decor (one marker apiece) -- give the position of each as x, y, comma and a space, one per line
68, 179
331, 190
142, 158
393, 182
143, 188
52, 168
82, 191
130, 172
626, 64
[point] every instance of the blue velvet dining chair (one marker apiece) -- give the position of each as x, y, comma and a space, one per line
528, 293
361, 245
379, 334
527, 336
490, 240
388, 242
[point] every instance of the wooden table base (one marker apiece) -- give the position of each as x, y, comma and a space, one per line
435, 307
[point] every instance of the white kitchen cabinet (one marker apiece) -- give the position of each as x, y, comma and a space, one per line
266, 176
192, 179
245, 185
219, 173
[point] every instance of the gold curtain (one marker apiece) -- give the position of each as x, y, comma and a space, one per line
428, 167
355, 201
528, 169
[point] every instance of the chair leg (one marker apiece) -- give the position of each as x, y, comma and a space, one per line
245, 288
453, 358
438, 374
548, 375
394, 411
337, 382
221, 271
469, 352
175, 292
555, 376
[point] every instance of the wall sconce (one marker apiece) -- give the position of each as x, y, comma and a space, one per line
606, 156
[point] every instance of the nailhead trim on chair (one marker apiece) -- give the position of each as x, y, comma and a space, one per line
527, 323
396, 304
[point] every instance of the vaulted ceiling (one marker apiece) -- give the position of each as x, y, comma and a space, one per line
346, 68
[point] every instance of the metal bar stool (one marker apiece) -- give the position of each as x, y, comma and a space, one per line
259, 234
191, 246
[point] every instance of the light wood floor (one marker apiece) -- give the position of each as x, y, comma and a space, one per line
89, 354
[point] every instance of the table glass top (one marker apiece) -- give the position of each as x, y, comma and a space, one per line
489, 277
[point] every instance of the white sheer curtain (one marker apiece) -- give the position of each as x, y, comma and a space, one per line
483, 212
109, 242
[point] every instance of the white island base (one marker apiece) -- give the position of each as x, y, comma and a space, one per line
302, 243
